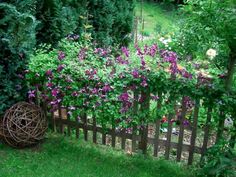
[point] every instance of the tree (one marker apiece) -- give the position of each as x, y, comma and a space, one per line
17, 38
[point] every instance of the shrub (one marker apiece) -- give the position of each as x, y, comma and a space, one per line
17, 38
220, 161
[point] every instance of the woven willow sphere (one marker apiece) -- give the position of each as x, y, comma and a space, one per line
24, 125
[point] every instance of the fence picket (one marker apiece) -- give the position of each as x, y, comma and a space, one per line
123, 138
94, 130
113, 136
85, 126
194, 132
206, 135
181, 131
144, 130
77, 133
61, 128
168, 139
53, 121
135, 112
104, 137
68, 125
157, 127
157, 133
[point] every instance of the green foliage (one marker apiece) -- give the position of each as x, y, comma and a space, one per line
220, 161
58, 19
111, 20
17, 38
209, 24
115, 25
92, 79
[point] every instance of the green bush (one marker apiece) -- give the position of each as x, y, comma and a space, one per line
220, 161
17, 39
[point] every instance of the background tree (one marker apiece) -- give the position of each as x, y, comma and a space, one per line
17, 38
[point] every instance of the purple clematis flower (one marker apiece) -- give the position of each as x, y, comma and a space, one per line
124, 97
31, 94
60, 68
49, 73
135, 73
61, 55
125, 51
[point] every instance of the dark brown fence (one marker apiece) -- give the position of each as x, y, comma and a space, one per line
147, 138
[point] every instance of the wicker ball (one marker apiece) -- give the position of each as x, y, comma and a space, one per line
24, 125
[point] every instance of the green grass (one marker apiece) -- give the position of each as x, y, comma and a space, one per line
154, 14
59, 156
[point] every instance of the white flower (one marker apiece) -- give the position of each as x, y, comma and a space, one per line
211, 53
162, 39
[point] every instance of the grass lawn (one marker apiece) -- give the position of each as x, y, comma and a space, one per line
154, 14
59, 156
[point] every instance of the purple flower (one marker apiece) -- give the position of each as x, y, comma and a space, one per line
55, 102
185, 122
82, 54
153, 50
139, 52
144, 83
120, 60
106, 88
49, 84
61, 55
135, 73
124, 97
31, 94
125, 51
102, 52
94, 91
60, 68
222, 76
54, 92
74, 93
169, 56
143, 63
186, 74
49, 72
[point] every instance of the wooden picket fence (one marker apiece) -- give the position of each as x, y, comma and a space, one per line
62, 122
